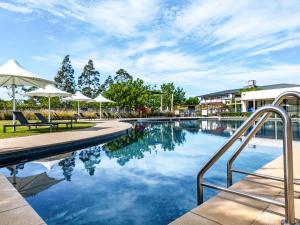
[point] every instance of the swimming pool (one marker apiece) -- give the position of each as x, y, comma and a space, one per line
147, 177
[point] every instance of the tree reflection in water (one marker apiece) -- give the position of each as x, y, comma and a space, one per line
140, 141
91, 158
67, 165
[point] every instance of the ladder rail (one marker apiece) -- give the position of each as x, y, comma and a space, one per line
287, 155
254, 130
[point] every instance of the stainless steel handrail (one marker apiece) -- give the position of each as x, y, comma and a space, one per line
287, 156
254, 130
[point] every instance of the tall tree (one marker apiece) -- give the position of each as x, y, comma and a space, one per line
65, 76
108, 81
89, 80
122, 76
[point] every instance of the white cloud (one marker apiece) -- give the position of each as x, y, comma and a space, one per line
240, 24
206, 44
14, 8
118, 17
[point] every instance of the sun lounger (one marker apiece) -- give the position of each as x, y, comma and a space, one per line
86, 117
45, 121
24, 123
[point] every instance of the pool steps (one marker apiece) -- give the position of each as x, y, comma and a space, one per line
262, 114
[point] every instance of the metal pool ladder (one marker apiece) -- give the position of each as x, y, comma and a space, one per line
262, 114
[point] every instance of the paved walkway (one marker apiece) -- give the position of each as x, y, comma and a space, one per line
102, 128
14, 209
229, 209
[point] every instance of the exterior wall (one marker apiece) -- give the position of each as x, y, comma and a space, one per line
266, 94
255, 99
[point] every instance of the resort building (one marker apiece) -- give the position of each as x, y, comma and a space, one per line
245, 100
222, 101
252, 100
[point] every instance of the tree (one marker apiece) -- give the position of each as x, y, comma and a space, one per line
65, 76
89, 80
122, 76
192, 101
108, 81
178, 94
131, 94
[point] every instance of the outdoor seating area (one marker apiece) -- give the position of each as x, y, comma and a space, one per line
12, 74
25, 123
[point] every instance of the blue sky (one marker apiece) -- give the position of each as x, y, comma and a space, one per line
201, 45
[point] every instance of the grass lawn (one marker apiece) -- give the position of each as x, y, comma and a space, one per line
23, 131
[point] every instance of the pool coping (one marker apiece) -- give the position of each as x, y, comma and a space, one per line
51, 143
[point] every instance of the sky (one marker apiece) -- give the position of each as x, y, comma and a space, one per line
200, 45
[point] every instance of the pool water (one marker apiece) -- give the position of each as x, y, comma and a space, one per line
147, 177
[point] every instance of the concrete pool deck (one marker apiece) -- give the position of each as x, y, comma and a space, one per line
229, 209
52, 142
14, 209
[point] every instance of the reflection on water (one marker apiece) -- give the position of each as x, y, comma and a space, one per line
146, 177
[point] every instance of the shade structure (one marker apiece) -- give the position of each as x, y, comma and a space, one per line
12, 74
49, 91
32, 185
101, 100
79, 97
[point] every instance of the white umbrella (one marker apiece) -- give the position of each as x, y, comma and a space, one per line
79, 97
12, 74
101, 99
49, 91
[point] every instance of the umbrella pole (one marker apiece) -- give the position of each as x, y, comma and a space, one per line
14, 175
49, 109
14, 103
78, 107
100, 112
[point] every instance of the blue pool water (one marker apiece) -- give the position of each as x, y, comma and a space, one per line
147, 177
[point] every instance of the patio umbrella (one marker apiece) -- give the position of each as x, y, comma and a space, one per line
32, 185
78, 97
12, 74
101, 99
49, 91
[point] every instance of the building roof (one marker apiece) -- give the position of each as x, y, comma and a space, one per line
236, 91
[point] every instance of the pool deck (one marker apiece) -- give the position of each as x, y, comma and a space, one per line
31, 146
229, 209
14, 209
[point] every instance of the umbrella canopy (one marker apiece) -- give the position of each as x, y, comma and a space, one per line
101, 99
51, 161
12, 74
79, 97
49, 91
32, 185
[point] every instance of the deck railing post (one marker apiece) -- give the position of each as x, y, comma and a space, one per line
288, 170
